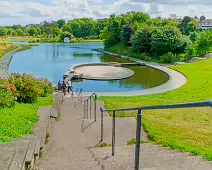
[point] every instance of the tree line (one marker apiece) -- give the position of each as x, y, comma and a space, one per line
86, 28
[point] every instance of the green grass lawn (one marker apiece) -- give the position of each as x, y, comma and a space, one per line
20, 120
182, 129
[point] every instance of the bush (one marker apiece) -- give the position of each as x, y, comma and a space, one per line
28, 88
168, 58
7, 98
184, 57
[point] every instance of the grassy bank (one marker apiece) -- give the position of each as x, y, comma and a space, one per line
20, 120
126, 51
5, 47
182, 129
17, 39
26, 47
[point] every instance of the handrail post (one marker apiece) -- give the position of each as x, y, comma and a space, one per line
101, 124
138, 139
90, 107
95, 108
84, 109
87, 108
113, 133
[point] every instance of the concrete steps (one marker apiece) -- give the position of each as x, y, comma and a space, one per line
153, 157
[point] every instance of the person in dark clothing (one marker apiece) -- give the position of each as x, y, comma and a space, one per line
64, 88
59, 86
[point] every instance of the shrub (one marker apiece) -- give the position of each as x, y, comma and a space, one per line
6, 97
184, 57
45, 87
168, 58
28, 88
7, 90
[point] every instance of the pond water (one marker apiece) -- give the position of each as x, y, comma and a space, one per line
53, 60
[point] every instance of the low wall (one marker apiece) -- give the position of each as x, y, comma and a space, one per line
21, 154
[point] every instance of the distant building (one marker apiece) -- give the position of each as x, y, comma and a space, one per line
173, 16
66, 40
204, 23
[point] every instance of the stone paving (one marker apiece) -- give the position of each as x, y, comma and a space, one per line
71, 146
101, 72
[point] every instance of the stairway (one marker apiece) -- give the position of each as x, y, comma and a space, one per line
73, 142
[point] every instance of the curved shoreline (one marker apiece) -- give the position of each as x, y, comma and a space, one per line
6, 59
176, 80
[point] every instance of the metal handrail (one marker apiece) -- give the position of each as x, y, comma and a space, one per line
86, 106
79, 97
139, 121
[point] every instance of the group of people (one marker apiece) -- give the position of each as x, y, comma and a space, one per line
62, 87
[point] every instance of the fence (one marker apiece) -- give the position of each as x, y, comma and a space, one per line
139, 122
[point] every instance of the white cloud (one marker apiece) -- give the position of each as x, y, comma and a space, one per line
28, 11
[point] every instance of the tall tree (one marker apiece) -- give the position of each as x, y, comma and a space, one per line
61, 23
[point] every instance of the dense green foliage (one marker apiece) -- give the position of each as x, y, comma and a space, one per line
160, 39
183, 129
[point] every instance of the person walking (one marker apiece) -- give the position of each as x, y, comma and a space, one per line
64, 88
59, 86
70, 87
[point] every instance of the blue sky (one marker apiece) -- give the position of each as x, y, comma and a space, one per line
35, 11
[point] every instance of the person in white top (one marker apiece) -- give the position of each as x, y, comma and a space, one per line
70, 86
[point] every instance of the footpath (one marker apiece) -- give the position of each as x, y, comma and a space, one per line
73, 145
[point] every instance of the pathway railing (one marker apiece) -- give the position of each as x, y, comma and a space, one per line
139, 122
79, 97
88, 106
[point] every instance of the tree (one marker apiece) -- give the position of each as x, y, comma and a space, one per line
32, 31
141, 40
126, 33
66, 34
56, 32
166, 39
67, 28
20, 32
184, 24
191, 27
3, 31
61, 23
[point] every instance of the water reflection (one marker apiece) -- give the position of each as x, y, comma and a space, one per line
52, 60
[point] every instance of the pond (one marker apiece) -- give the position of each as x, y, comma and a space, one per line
53, 60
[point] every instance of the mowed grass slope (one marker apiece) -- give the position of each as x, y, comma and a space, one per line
182, 129
5, 47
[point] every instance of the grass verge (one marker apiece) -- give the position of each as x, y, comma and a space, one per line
59, 117
26, 47
20, 120
133, 142
187, 130
5, 47
102, 145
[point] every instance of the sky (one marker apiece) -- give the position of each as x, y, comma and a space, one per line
35, 11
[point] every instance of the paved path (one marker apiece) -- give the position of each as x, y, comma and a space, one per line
71, 146
5, 62
67, 147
